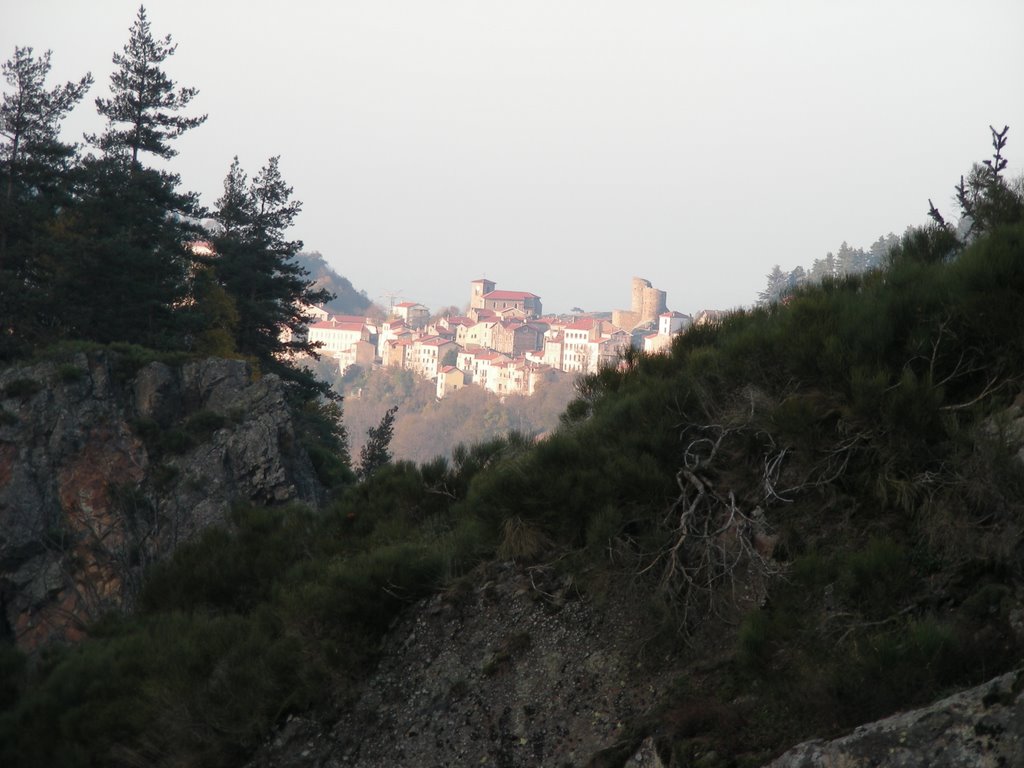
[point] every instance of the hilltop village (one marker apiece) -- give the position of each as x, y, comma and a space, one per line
505, 343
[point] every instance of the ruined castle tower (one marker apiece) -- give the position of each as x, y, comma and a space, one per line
647, 304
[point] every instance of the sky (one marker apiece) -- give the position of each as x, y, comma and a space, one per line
564, 146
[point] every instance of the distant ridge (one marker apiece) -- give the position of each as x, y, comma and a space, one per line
347, 301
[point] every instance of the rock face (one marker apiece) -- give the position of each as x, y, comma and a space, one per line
979, 728
101, 472
517, 670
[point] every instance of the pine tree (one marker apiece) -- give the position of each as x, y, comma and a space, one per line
377, 451
34, 167
122, 257
142, 113
32, 157
121, 261
777, 281
255, 264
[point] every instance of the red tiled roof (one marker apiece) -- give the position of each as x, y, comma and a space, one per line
510, 295
333, 325
349, 319
587, 324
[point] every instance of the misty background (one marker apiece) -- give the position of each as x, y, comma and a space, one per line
563, 147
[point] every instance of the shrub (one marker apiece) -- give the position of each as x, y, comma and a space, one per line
202, 425
877, 577
70, 373
22, 389
521, 541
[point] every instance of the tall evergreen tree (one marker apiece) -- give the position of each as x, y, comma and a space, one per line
34, 166
121, 257
377, 450
122, 253
142, 112
33, 159
777, 282
255, 264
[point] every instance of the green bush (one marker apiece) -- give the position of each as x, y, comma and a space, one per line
202, 425
754, 640
877, 577
22, 389
12, 669
231, 571
70, 373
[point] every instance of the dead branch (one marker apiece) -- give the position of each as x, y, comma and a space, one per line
710, 543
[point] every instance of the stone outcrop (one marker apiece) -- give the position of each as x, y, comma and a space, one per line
982, 727
103, 471
514, 669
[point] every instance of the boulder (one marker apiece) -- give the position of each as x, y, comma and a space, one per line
982, 727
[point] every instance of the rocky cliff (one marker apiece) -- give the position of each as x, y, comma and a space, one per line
104, 469
517, 668
511, 667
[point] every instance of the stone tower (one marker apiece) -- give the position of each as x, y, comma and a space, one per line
648, 301
647, 304
479, 289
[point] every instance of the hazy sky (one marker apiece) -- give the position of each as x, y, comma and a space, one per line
563, 146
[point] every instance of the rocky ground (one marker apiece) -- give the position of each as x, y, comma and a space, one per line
515, 668
982, 727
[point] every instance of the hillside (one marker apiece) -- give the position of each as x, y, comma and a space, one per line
807, 517
426, 427
347, 300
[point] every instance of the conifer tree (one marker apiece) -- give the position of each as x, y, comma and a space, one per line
123, 259
34, 167
777, 282
142, 112
377, 451
255, 264
32, 156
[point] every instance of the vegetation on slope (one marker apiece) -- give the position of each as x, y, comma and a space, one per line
347, 300
821, 499
426, 427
